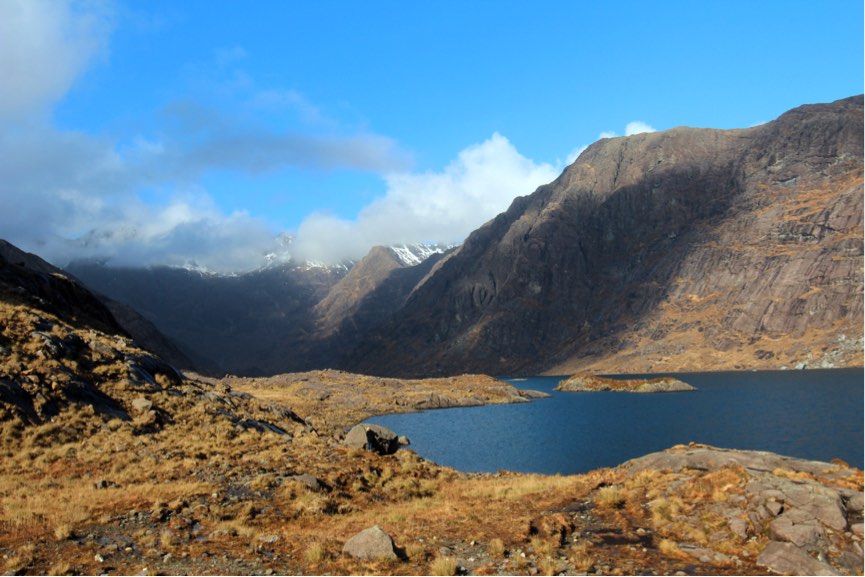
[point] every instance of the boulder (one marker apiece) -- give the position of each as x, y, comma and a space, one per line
374, 438
372, 543
739, 527
855, 503
798, 527
310, 482
142, 405
786, 558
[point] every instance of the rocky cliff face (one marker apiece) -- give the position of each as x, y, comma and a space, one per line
684, 249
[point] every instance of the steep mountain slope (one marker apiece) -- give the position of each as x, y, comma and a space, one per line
374, 288
287, 317
684, 249
252, 324
54, 291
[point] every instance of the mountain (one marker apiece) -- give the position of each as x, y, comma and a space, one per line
286, 317
245, 324
113, 461
375, 287
50, 289
688, 249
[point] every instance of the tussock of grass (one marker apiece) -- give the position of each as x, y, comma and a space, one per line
610, 496
550, 566
63, 532
314, 553
61, 568
443, 566
668, 547
580, 557
415, 551
666, 509
543, 547
496, 548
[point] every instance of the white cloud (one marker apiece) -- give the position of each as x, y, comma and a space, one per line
44, 46
87, 206
637, 127
631, 128
440, 206
575, 154
70, 195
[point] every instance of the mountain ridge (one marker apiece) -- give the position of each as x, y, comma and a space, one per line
687, 249
612, 232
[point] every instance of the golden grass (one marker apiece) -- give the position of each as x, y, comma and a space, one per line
61, 504
609, 496
496, 548
200, 469
415, 551
668, 547
550, 566
543, 547
580, 557
314, 553
443, 566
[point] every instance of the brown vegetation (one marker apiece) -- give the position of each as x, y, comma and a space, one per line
112, 464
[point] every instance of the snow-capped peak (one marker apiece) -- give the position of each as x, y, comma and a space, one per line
414, 254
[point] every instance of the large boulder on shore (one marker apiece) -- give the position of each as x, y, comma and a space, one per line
374, 438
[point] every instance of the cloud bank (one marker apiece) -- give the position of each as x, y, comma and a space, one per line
44, 48
442, 206
138, 200
69, 195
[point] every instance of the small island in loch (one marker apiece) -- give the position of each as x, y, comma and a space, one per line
591, 383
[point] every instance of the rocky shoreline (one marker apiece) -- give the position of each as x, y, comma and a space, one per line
591, 383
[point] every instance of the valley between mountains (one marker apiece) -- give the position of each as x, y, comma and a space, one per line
127, 450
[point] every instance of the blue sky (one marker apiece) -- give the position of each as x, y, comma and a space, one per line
165, 132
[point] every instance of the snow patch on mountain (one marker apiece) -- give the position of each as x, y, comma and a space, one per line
414, 254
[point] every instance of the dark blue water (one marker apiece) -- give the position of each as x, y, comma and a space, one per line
814, 414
